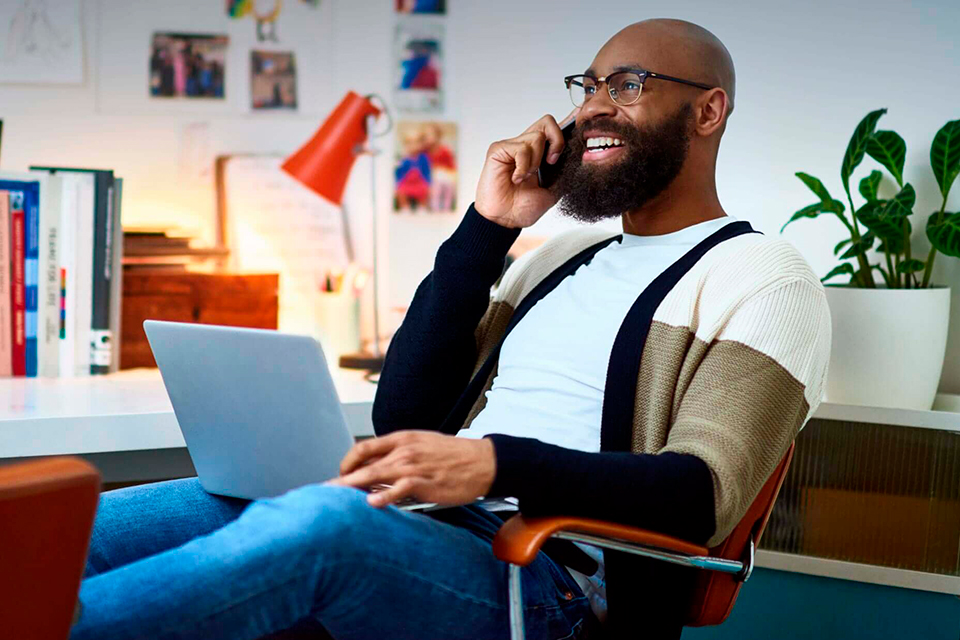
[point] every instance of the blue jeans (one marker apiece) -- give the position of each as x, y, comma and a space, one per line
170, 561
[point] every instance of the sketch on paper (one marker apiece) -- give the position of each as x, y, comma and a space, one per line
41, 41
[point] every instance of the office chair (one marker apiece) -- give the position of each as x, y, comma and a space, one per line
722, 569
46, 515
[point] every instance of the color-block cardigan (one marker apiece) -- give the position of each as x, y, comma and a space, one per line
733, 366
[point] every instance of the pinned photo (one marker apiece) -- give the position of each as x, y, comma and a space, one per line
422, 6
418, 74
425, 178
188, 65
273, 81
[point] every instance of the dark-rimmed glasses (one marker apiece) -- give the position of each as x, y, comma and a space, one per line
624, 86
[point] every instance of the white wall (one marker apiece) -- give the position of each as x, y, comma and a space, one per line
807, 73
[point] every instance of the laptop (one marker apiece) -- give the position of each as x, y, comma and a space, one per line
258, 409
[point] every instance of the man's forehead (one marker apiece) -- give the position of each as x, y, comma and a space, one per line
645, 46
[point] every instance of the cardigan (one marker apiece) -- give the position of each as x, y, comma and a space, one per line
732, 366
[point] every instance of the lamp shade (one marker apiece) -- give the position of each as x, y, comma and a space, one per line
323, 164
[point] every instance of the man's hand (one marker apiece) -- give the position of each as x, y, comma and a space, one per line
508, 192
431, 466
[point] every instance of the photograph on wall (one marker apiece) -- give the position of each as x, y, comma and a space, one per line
41, 42
418, 72
273, 81
422, 6
425, 177
188, 65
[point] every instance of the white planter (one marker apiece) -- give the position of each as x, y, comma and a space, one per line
888, 346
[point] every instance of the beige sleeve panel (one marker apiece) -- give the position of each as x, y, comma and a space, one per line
756, 386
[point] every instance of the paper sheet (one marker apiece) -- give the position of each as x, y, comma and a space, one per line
41, 41
276, 225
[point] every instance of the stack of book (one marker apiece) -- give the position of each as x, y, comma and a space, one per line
162, 249
60, 276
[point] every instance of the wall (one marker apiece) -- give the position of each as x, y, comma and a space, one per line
807, 73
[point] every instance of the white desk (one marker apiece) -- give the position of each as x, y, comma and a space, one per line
127, 414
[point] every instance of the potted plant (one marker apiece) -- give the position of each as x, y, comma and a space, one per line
889, 337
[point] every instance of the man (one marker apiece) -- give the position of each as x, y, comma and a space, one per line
546, 389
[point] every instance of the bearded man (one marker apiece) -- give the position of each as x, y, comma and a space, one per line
652, 378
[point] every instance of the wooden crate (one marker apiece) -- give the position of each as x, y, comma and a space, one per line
235, 300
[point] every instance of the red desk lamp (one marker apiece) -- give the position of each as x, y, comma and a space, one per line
323, 164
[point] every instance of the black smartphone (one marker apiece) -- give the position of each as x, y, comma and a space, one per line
548, 173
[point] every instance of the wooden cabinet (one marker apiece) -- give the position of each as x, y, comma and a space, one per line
235, 300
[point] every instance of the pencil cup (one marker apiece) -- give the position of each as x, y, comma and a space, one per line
338, 324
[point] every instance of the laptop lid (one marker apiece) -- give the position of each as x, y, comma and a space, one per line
258, 409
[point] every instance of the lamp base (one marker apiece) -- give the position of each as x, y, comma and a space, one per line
362, 360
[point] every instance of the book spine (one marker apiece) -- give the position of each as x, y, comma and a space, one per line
48, 310
6, 331
100, 339
116, 277
67, 266
17, 290
31, 274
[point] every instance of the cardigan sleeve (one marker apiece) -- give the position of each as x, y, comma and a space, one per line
758, 383
432, 355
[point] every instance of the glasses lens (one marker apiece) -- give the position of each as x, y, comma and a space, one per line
581, 88
625, 87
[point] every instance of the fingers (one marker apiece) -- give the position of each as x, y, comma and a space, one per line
363, 452
403, 488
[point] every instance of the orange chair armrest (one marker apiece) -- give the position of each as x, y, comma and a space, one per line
519, 539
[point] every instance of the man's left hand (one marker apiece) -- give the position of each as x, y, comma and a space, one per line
430, 466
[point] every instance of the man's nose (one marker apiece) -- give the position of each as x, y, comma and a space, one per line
600, 104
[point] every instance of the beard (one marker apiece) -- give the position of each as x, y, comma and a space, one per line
654, 156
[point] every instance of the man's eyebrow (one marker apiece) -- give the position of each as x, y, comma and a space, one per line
620, 67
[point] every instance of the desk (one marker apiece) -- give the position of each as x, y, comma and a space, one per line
123, 422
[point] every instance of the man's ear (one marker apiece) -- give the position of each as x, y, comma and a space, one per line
713, 108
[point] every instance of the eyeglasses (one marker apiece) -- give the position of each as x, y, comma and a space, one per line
624, 87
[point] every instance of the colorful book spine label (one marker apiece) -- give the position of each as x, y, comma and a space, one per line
17, 289
32, 275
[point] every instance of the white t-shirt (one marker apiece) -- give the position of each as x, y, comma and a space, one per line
552, 368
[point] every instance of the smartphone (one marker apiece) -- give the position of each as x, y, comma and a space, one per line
548, 173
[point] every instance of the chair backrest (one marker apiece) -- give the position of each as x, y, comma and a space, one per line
46, 515
715, 593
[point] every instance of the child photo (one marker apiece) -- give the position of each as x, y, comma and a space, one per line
187, 65
426, 167
422, 6
418, 70
273, 81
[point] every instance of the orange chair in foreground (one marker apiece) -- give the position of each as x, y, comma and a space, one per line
724, 568
46, 515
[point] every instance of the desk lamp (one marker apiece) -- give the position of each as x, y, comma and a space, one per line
323, 164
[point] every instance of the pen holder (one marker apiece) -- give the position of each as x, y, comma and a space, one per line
338, 324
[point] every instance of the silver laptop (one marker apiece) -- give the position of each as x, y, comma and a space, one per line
258, 409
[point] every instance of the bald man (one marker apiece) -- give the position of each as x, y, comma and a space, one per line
652, 378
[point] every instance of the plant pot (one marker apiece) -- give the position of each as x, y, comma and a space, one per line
888, 346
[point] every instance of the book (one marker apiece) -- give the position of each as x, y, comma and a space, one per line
27, 188
6, 331
116, 275
76, 273
17, 289
48, 281
100, 339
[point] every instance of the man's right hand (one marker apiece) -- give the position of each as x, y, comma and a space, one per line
509, 192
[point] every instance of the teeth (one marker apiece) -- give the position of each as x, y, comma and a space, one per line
594, 143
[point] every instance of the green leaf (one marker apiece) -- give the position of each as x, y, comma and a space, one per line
834, 206
945, 155
809, 211
858, 146
841, 245
869, 185
869, 216
840, 269
889, 149
901, 204
911, 266
886, 277
945, 236
862, 245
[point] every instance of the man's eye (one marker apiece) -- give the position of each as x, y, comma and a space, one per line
590, 90
630, 86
